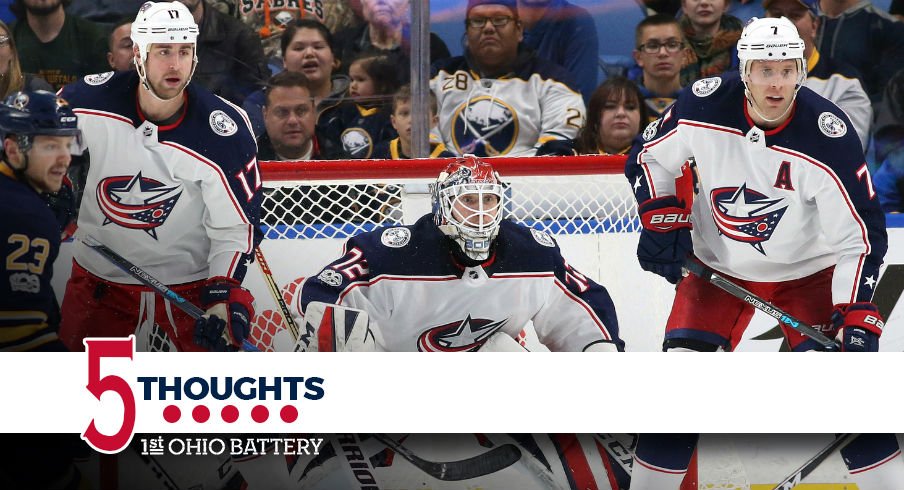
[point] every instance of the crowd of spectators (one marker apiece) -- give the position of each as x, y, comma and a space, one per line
528, 81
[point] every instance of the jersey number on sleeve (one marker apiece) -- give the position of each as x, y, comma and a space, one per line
253, 170
14, 262
353, 267
864, 172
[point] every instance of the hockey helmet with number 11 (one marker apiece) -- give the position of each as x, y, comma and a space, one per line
468, 204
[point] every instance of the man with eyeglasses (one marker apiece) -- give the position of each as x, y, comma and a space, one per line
500, 98
661, 52
833, 79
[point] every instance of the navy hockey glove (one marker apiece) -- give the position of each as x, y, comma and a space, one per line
227, 321
859, 327
665, 240
62, 204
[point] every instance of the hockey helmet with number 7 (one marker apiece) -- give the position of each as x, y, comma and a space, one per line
163, 23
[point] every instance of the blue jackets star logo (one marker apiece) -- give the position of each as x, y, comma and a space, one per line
466, 335
136, 202
746, 215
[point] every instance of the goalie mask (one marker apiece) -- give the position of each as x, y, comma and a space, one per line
163, 23
468, 203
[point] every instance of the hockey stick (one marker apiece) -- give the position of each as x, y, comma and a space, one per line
711, 276
496, 459
275, 293
152, 282
799, 474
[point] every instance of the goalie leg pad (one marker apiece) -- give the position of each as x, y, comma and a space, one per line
334, 328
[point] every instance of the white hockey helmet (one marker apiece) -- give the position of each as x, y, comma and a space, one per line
771, 39
163, 23
477, 228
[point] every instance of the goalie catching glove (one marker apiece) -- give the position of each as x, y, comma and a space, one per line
665, 240
859, 327
227, 321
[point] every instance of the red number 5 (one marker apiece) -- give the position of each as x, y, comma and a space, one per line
98, 349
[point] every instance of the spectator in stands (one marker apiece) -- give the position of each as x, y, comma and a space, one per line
859, 33
712, 35
120, 55
289, 118
660, 53
888, 143
335, 15
615, 116
501, 98
106, 12
386, 30
363, 121
230, 58
54, 45
11, 77
830, 78
400, 147
565, 34
307, 47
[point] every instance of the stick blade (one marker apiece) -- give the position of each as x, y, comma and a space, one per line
492, 461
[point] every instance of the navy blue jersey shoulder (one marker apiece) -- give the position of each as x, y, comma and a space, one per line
717, 100
820, 129
527, 65
211, 127
111, 92
427, 251
827, 67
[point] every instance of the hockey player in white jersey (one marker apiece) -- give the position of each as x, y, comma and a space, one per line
784, 206
459, 277
173, 186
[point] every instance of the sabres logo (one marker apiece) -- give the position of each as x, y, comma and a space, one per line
484, 126
746, 215
466, 335
357, 142
136, 202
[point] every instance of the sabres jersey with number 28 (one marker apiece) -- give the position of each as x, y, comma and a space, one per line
422, 299
772, 205
180, 201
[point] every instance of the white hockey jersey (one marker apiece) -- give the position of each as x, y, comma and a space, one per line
422, 299
512, 115
771, 205
181, 201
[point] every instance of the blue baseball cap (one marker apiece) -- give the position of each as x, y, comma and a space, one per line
510, 4
811, 5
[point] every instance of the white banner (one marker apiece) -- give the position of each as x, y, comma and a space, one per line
419, 393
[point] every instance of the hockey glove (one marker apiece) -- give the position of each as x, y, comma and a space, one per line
665, 240
859, 327
62, 204
227, 321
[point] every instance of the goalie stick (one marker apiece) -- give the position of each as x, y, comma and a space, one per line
496, 459
711, 276
152, 282
799, 474
274, 292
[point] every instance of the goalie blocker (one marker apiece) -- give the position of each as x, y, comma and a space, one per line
334, 328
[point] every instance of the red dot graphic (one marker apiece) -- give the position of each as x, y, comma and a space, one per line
230, 414
201, 414
289, 414
172, 414
260, 414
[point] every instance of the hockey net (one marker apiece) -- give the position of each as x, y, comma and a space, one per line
311, 207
